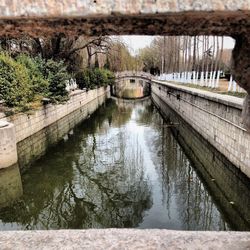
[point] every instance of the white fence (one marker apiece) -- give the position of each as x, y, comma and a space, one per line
204, 79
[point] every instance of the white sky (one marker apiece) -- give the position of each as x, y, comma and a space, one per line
138, 42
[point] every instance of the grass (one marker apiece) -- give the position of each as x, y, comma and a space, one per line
214, 90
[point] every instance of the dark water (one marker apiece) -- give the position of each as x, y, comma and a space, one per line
122, 167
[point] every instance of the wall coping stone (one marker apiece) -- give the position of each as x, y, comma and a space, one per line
124, 239
228, 100
71, 94
43, 8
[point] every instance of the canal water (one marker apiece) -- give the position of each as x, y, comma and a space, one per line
123, 167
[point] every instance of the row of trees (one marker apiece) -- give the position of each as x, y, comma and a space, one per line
187, 59
168, 54
198, 60
33, 68
76, 52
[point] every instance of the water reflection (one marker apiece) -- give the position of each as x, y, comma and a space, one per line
35, 146
131, 88
120, 168
209, 185
10, 185
92, 180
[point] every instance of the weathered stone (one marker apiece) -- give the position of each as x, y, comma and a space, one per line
216, 117
241, 71
8, 151
180, 23
52, 8
124, 239
145, 17
116, 17
246, 113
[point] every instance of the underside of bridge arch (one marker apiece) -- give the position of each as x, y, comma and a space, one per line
143, 17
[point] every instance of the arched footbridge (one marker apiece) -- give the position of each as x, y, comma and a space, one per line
132, 84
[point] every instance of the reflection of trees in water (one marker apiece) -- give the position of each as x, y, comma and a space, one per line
180, 183
10, 185
94, 180
115, 182
145, 112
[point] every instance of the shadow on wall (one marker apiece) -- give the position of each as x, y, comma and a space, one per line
10, 185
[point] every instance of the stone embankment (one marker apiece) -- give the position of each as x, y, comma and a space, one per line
18, 127
214, 116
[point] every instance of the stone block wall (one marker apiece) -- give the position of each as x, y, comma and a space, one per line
29, 124
8, 151
34, 147
221, 177
52, 8
215, 117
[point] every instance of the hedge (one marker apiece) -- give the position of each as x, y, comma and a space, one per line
92, 78
14, 82
24, 79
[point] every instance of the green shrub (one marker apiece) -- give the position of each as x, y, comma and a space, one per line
39, 85
25, 80
83, 79
98, 77
92, 78
109, 76
48, 78
14, 82
56, 75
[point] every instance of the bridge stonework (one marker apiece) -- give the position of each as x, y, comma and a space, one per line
132, 85
114, 17
142, 17
145, 17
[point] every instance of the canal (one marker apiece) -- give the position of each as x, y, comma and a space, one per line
124, 167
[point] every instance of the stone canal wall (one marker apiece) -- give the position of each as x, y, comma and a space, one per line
26, 135
217, 118
34, 147
8, 150
218, 174
29, 124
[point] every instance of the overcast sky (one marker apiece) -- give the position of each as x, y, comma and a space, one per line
138, 42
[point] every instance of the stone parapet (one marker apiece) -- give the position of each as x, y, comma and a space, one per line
44, 8
124, 239
8, 149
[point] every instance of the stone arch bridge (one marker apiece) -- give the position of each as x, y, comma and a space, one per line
132, 84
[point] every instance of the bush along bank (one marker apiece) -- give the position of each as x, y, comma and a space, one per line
25, 80
94, 78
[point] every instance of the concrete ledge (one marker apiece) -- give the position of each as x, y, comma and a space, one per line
228, 100
8, 150
87, 7
124, 239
